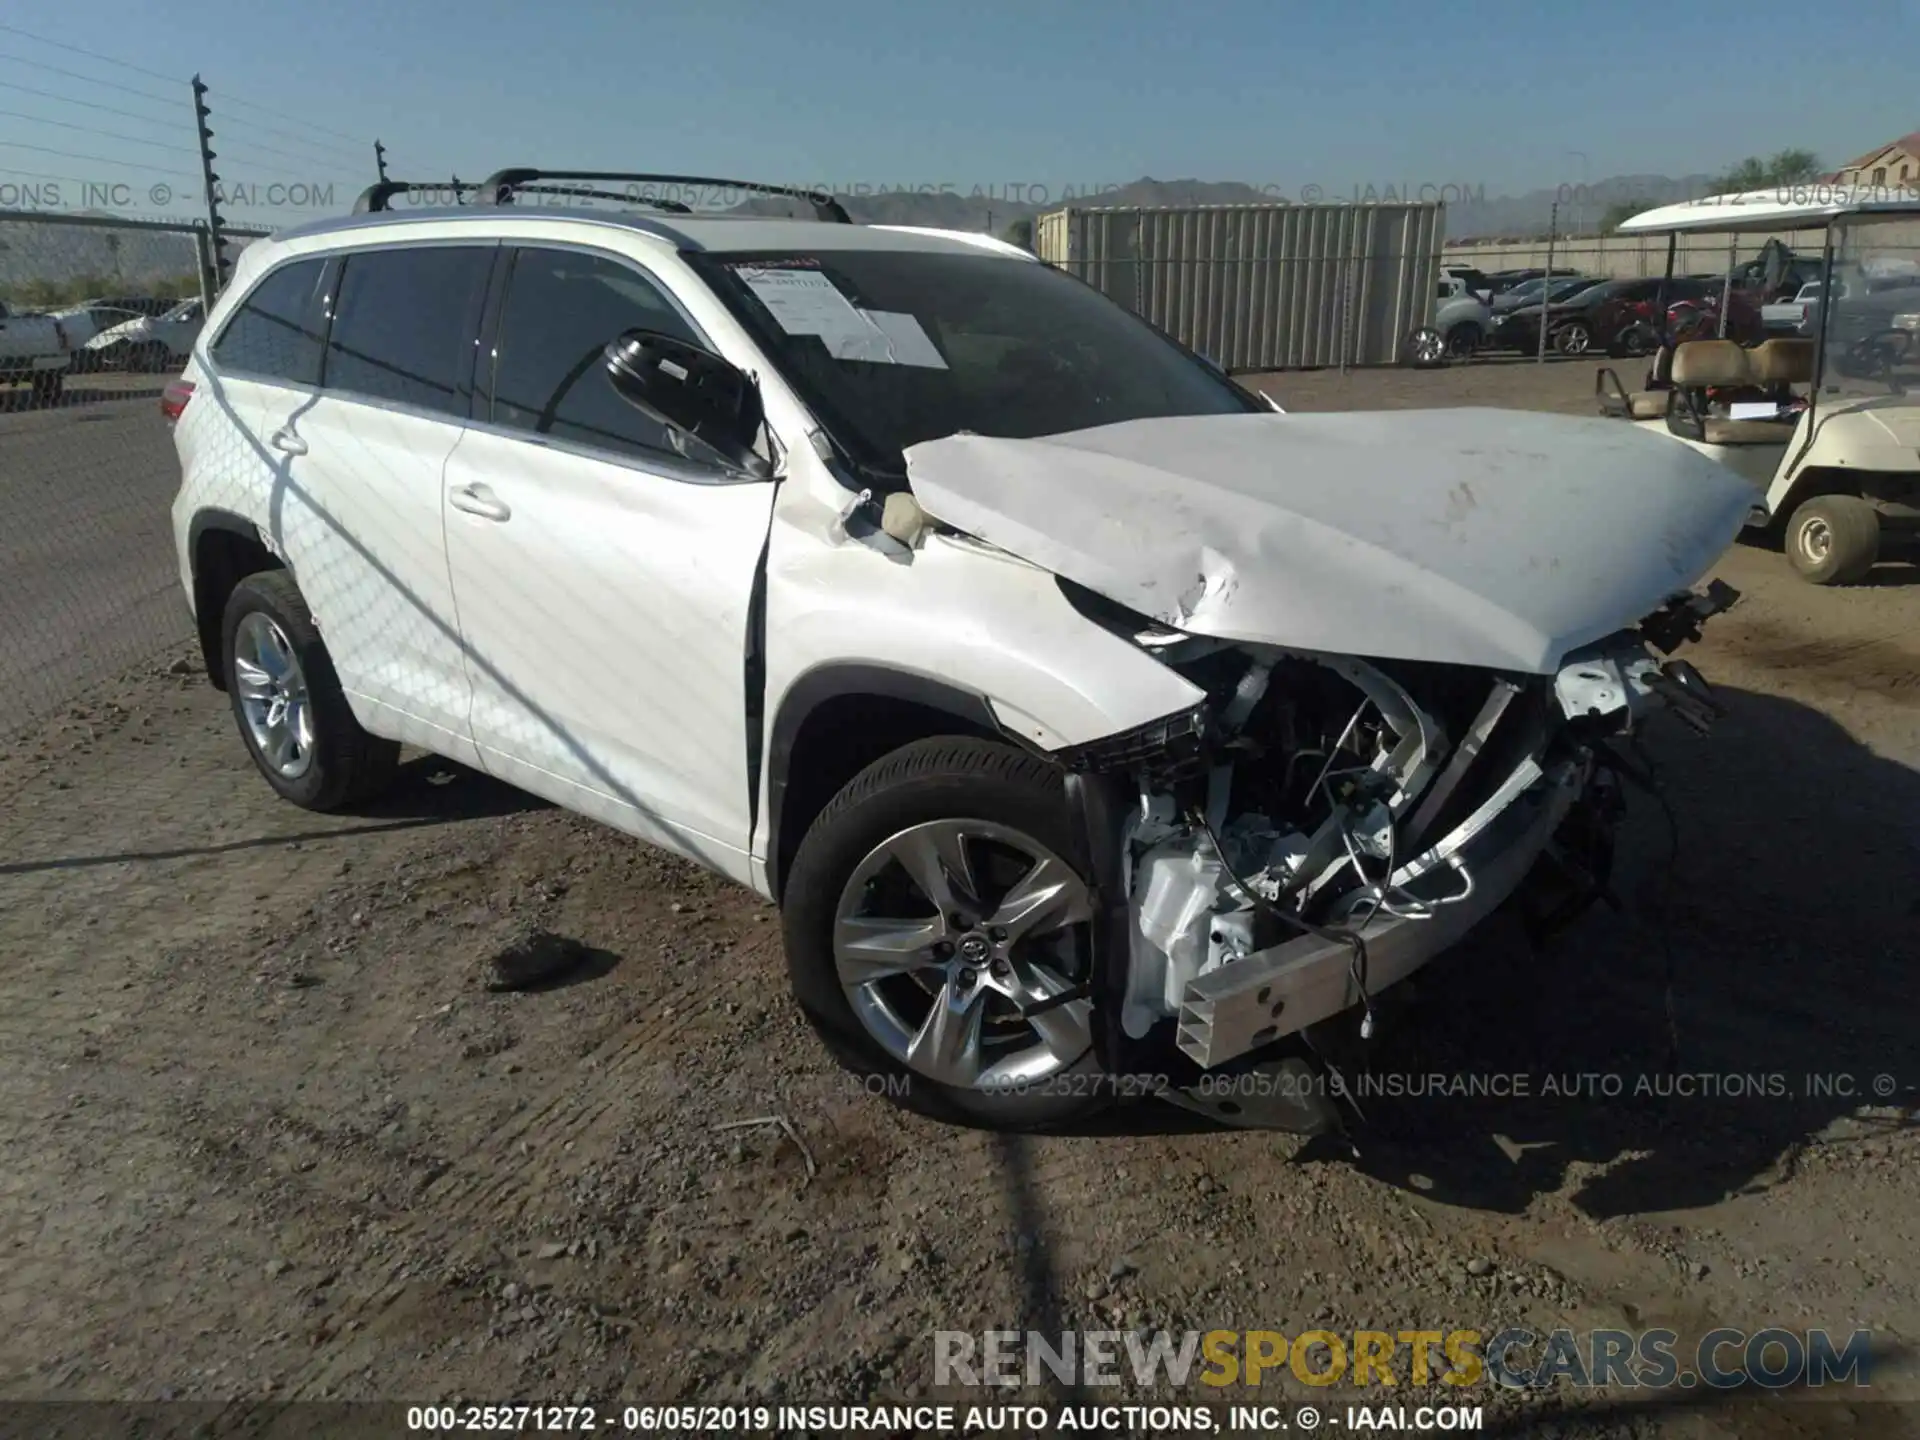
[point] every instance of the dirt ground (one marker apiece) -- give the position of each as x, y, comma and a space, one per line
268, 1133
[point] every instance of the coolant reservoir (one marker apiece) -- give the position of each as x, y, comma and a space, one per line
1175, 890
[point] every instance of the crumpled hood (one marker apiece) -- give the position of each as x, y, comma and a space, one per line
1496, 538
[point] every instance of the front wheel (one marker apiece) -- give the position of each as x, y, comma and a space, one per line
1463, 340
1834, 539
938, 935
1427, 348
47, 386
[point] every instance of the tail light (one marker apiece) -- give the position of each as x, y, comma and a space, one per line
173, 400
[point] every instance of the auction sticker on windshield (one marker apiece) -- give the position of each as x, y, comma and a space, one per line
806, 302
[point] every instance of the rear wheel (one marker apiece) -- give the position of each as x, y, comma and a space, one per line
935, 917
288, 702
1834, 539
1463, 340
47, 386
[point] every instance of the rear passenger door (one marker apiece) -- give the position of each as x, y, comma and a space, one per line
604, 575
360, 512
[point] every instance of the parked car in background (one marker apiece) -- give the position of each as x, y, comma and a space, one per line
1463, 317
1506, 280
1618, 315
1471, 278
1528, 292
34, 348
85, 324
1796, 316
134, 304
142, 342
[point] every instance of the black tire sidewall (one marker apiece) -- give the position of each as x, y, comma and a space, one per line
340, 758
1855, 541
972, 780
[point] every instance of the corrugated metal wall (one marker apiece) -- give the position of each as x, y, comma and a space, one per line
1262, 287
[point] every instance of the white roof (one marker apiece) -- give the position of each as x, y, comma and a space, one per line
1785, 207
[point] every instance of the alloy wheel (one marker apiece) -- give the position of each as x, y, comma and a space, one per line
948, 938
273, 695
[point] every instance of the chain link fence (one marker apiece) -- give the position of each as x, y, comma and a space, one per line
99, 315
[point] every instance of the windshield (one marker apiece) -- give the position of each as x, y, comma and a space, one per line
1872, 325
894, 347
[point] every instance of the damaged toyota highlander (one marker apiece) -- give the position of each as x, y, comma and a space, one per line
1086, 716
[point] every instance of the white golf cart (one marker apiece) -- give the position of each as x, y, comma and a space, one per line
1826, 427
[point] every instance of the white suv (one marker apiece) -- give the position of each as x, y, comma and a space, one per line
1088, 719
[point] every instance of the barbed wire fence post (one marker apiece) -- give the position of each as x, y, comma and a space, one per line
216, 240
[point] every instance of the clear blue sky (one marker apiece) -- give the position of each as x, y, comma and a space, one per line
1508, 96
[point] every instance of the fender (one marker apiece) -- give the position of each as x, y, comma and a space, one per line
830, 681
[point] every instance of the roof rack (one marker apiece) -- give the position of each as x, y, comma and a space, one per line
377, 195
499, 187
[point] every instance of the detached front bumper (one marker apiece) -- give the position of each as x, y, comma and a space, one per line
1254, 1001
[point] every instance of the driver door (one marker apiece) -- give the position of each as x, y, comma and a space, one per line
603, 580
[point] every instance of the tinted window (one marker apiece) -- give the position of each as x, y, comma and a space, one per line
277, 332
404, 322
561, 309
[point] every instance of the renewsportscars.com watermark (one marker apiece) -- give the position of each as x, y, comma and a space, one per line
1515, 1358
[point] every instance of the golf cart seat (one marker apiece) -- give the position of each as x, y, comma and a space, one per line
1725, 366
1782, 362
1649, 404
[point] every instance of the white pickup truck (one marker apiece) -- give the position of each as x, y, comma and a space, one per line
37, 349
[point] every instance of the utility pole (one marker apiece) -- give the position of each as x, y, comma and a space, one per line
989, 222
216, 228
1546, 289
380, 159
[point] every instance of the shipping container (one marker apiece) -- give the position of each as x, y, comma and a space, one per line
1262, 287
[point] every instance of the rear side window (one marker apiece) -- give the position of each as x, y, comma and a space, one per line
277, 332
404, 323
561, 309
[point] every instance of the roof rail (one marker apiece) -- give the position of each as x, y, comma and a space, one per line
499, 187
377, 195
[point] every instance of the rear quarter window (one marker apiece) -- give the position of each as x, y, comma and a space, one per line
277, 331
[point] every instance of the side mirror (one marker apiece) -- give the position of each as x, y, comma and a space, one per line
693, 391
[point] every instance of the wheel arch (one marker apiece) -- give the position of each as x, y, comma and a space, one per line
223, 548
838, 718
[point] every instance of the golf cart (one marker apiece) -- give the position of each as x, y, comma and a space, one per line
1826, 427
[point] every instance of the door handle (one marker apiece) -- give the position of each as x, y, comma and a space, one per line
477, 499
285, 440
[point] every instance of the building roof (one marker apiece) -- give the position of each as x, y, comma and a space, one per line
1908, 143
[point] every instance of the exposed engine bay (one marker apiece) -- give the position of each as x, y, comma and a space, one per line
1323, 825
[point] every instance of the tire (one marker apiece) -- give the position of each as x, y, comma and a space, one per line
1634, 342
47, 386
1426, 348
1463, 340
849, 870
1574, 338
1833, 539
333, 763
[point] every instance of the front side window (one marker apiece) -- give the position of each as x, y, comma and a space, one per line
278, 330
894, 347
404, 323
561, 309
